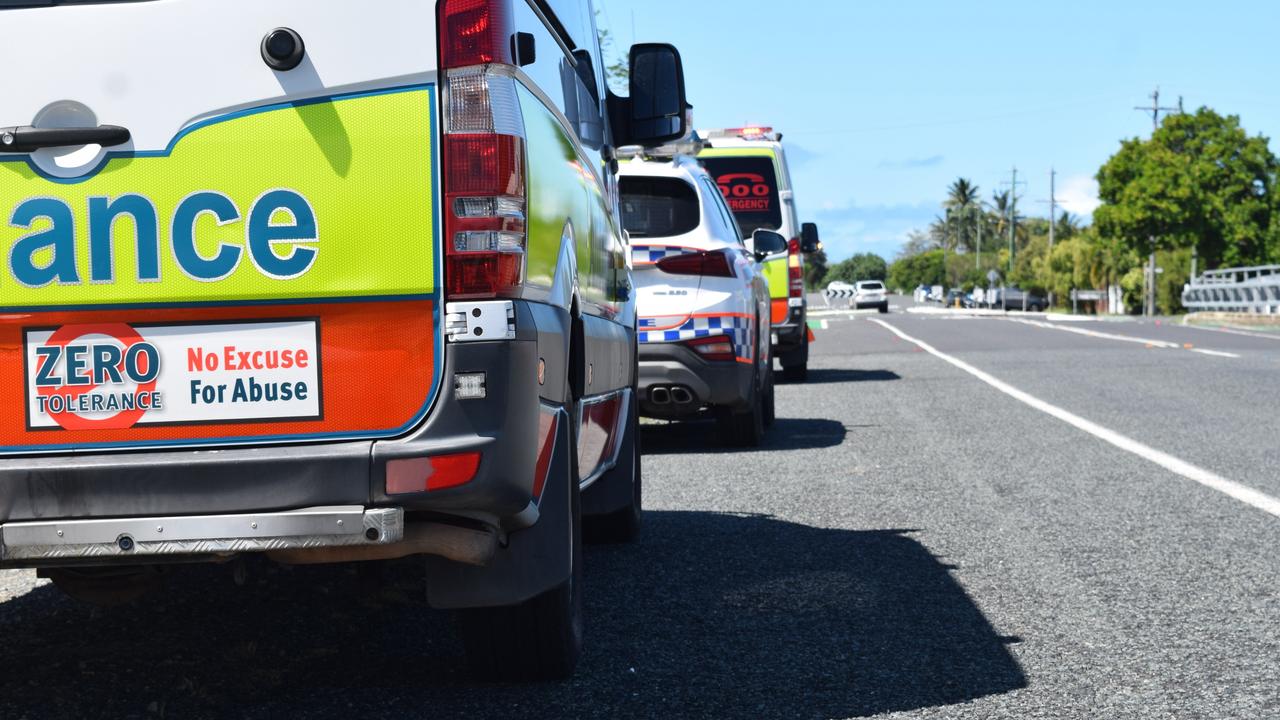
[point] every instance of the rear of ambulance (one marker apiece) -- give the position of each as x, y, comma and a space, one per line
221, 298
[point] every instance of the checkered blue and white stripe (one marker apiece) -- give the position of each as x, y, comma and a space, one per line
649, 254
739, 328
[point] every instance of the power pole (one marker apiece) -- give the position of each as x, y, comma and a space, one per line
1013, 216
1053, 220
1149, 303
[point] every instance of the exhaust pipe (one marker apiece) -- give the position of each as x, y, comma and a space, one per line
681, 395
660, 396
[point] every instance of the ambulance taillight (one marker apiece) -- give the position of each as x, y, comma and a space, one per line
795, 270
485, 199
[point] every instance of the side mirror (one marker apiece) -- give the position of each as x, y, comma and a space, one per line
655, 112
809, 242
767, 242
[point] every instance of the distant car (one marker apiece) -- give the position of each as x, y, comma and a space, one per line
921, 294
871, 294
958, 298
1014, 298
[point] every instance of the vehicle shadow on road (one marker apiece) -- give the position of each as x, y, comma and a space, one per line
708, 615
699, 436
821, 376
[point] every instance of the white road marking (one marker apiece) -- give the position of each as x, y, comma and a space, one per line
1243, 493
1215, 353
1165, 344
1098, 334
1232, 331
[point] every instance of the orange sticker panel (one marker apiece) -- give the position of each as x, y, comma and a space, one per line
185, 376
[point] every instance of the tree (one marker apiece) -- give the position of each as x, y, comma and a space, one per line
815, 268
1199, 182
918, 241
922, 269
863, 266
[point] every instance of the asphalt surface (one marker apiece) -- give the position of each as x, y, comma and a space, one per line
908, 543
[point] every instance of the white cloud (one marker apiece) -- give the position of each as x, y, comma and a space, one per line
1079, 195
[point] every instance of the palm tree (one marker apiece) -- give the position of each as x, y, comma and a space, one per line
962, 200
1067, 226
962, 194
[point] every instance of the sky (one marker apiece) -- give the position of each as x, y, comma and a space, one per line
883, 104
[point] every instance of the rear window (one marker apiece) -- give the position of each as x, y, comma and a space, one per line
750, 186
871, 285
658, 207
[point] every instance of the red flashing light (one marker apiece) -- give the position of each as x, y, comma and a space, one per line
709, 263
475, 32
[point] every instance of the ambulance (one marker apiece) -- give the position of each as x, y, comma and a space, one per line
749, 166
323, 281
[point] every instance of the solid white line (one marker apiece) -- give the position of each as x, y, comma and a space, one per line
1097, 334
1243, 493
1215, 353
1231, 331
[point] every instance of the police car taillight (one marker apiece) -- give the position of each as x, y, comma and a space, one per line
484, 152
709, 263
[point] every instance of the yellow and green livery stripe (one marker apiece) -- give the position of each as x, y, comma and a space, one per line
326, 199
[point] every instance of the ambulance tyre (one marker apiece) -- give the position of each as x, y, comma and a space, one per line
795, 364
617, 525
540, 639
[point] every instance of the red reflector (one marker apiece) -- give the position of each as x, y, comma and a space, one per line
711, 263
598, 435
548, 423
778, 311
475, 32
716, 348
415, 475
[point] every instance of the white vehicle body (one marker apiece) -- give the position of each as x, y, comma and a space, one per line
674, 212
871, 293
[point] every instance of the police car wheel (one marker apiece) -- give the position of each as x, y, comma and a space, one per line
746, 428
884, 308
540, 639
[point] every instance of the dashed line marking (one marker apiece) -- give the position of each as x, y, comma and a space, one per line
1231, 488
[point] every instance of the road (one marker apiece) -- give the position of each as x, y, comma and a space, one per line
913, 541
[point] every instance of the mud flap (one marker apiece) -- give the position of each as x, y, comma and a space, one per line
614, 490
534, 560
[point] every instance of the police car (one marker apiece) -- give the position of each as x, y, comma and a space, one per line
749, 165
323, 281
703, 303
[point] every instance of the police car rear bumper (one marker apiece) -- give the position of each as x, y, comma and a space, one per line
667, 368
503, 428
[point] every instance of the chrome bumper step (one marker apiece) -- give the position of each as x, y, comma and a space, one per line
318, 527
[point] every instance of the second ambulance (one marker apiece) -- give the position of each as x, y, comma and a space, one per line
749, 165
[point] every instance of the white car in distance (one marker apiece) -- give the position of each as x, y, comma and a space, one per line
871, 294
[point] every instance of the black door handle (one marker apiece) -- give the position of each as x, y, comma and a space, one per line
27, 138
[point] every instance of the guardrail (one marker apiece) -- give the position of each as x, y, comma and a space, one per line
1248, 290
